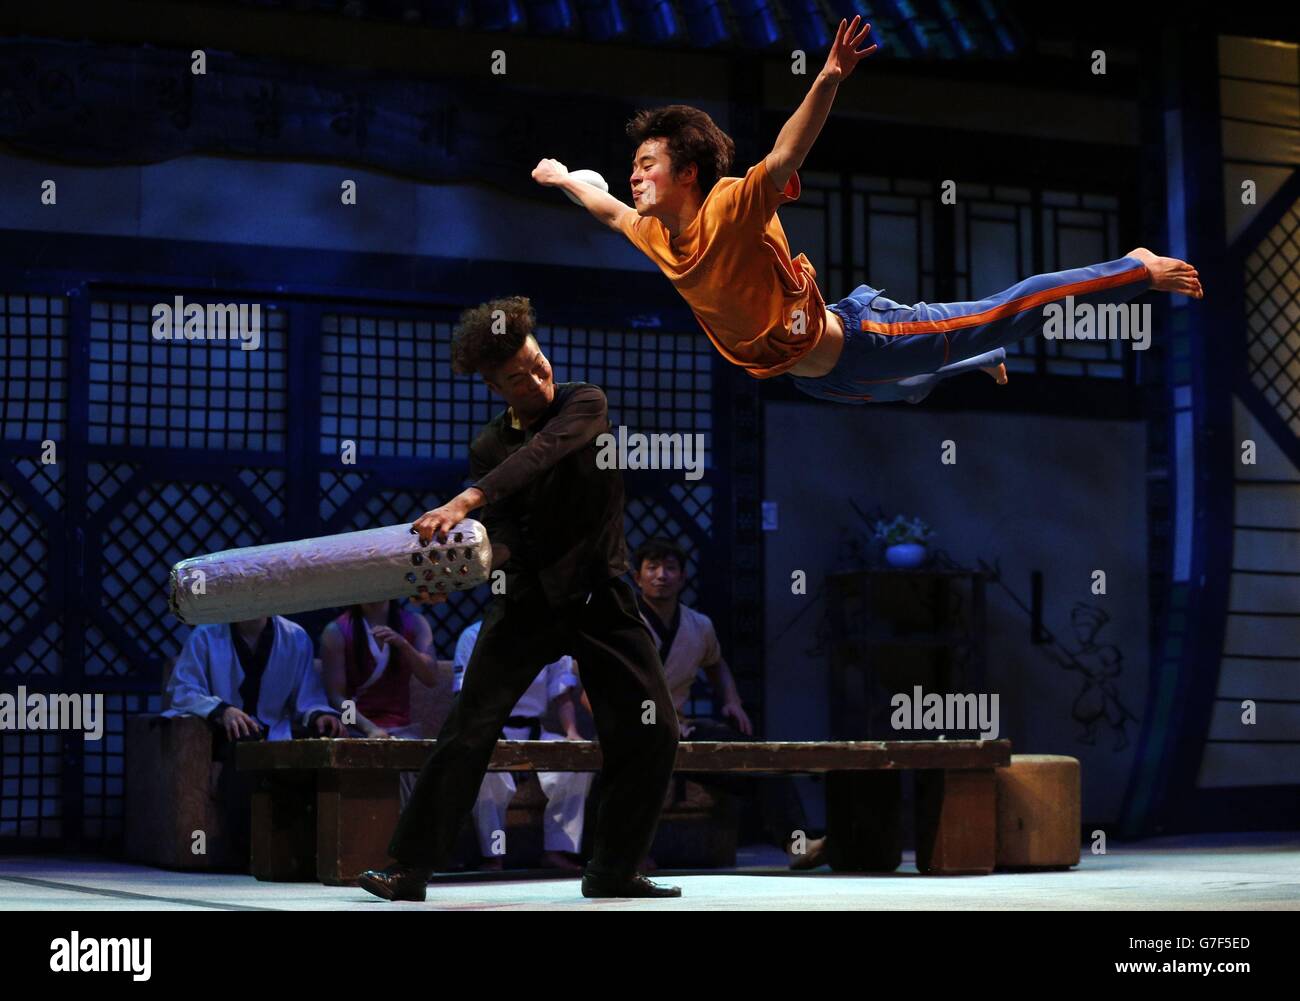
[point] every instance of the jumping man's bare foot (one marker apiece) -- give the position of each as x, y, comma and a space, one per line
998, 372
1169, 274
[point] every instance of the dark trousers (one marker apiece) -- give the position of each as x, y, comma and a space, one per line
621, 672
234, 798
780, 808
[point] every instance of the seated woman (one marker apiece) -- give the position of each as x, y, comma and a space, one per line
368, 655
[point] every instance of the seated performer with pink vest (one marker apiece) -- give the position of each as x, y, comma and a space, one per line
368, 655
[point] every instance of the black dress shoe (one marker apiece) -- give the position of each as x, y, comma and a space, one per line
633, 886
397, 882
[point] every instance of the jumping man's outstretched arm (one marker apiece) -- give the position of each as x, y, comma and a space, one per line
601, 204
801, 131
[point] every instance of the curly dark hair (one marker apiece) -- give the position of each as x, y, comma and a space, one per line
490, 334
692, 137
656, 549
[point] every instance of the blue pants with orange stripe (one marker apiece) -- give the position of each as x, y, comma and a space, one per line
897, 352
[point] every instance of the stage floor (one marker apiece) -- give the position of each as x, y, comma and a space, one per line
1204, 872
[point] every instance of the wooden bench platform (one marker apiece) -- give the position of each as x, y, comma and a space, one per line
325, 809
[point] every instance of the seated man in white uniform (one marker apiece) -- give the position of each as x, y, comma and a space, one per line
566, 792
251, 680
688, 645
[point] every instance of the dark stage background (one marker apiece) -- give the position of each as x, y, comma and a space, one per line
224, 187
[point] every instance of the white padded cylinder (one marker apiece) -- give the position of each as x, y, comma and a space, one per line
287, 577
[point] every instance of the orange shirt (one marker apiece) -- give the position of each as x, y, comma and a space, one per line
732, 266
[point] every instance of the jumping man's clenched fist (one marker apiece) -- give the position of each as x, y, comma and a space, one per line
550, 172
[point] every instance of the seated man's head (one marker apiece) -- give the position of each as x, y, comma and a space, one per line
495, 340
680, 155
387, 610
659, 569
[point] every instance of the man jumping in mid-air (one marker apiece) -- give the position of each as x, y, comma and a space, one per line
719, 242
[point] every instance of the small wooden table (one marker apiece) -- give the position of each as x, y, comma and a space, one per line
325, 809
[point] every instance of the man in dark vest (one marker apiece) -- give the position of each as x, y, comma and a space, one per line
555, 518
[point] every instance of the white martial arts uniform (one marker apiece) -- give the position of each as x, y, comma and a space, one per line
208, 673
694, 648
566, 792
